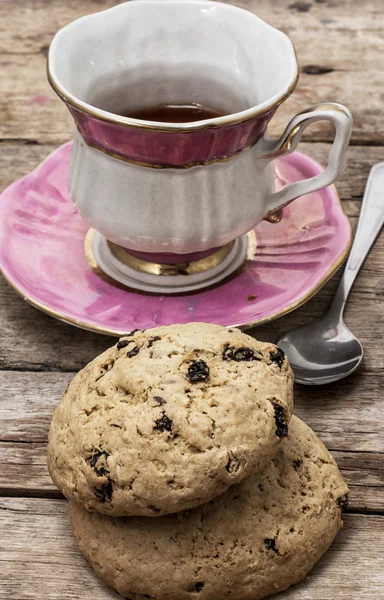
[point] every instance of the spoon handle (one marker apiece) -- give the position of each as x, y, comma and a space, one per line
370, 223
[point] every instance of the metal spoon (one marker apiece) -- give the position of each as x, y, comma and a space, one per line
326, 350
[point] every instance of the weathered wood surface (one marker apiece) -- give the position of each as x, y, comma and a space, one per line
342, 37
45, 119
346, 420
346, 415
19, 158
38, 554
24, 473
340, 46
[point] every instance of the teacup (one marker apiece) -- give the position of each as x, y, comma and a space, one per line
181, 188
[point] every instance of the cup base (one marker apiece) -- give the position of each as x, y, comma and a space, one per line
174, 277
169, 259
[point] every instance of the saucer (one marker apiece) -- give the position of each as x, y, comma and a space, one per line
42, 257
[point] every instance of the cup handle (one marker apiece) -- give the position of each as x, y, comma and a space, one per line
341, 117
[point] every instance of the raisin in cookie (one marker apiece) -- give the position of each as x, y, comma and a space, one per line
257, 539
169, 418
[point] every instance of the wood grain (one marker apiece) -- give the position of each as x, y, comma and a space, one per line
346, 415
20, 158
342, 37
30, 110
24, 473
340, 46
339, 23
346, 420
38, 552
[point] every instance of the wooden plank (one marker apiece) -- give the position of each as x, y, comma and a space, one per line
19, 159
29, 107
364, 474
24, 473
346, 415
30, 110
342, 23
27, 401
38, 555
29, 335
353, 52
346, 419
341, 52
32, 340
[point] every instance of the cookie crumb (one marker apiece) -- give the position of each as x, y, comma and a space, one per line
233, 464
343, 502
104, 369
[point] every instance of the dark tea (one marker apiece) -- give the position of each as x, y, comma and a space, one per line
173, 98
173, 113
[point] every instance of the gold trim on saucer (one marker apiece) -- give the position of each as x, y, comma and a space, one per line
88, 251
89, 257
187, 268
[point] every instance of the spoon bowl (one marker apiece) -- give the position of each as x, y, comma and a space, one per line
322, 352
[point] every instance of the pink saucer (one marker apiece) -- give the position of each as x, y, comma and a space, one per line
42, 257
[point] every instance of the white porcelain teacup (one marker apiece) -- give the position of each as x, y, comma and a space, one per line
156, 187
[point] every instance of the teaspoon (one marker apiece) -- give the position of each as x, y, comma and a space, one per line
326, 350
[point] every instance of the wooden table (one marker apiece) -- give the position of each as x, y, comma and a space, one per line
340, 45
